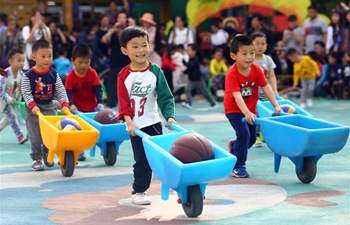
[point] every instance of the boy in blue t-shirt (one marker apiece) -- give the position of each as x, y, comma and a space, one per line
62, 63
39, 87
329, 76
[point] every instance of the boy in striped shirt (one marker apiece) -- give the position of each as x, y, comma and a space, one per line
142, 91
39, 87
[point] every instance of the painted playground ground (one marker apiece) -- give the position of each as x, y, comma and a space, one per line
100, 194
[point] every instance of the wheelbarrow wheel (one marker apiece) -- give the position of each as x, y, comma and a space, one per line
68, 168
194, 205
111, 154
309, 171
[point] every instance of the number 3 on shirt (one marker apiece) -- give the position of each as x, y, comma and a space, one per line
142, 106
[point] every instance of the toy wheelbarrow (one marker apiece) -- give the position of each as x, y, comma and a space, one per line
188, 180
303, 139
111, 137
266, 109
67, 145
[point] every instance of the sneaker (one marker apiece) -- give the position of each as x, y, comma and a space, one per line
46, 162
141, 199
240, 172
37, 165
259, 142
309, 102
22, 140
213, 107
187, 105
302, 105
82, 157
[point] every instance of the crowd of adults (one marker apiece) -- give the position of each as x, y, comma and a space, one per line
315, 38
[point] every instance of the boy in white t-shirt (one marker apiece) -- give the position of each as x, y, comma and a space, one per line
10, 92
142, 92
267, 65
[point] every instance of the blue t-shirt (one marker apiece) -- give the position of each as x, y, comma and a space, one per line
61, 65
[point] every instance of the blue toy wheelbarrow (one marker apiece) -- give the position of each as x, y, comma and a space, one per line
266, 109
188, 180
110, 139
303, 139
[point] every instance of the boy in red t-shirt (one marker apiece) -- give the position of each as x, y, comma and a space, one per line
83, 85
241, 96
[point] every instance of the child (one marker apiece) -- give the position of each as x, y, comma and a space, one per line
83, 85
142, 89
345, 71
267, 65
329, 76
179, 79
217, 64
61, 63
204, 68
305, 70
195, 79
168, 66
241, 97
10, 92
39, 86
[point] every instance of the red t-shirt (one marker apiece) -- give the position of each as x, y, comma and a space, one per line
248, 86
82, 89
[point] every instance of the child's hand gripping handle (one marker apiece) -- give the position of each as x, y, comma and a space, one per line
175, 127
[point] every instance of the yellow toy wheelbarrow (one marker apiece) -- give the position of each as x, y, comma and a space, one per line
67, 145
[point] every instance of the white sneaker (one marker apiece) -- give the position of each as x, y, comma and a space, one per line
213, 107
309, 102
302, 105
186, 105
141, 199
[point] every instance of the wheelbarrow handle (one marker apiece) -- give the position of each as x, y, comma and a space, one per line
77, 112
140, 133
66, 112
18, 103
175, 127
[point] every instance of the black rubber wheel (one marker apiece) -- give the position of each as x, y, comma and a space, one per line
194, 205
68, 168
111, 154
309, 171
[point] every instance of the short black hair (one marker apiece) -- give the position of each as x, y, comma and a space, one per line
292, 18
333, 55
13, 52
131, 33
82, 50
291, 51
238, 41
218, 49
40, 44
342, 54
76, 29
259, 16
257, 35
194, 47
180, 46
321, 43
313, 55
314, 7
60, 50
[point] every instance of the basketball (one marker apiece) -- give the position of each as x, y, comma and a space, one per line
191, 148
68, 124
288, 109
107, 116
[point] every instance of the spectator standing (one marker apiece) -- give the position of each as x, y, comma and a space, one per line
36, 30
9, 39
315, 29
335, 33
57, 37
180, 33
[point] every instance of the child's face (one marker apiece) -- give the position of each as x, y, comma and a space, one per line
81, 65
17, 61
218, 56
294, 58
138, 51
191, 53
292, 24
260, 45
332, 60
42, 58
346, 58
244, 57
319, 49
